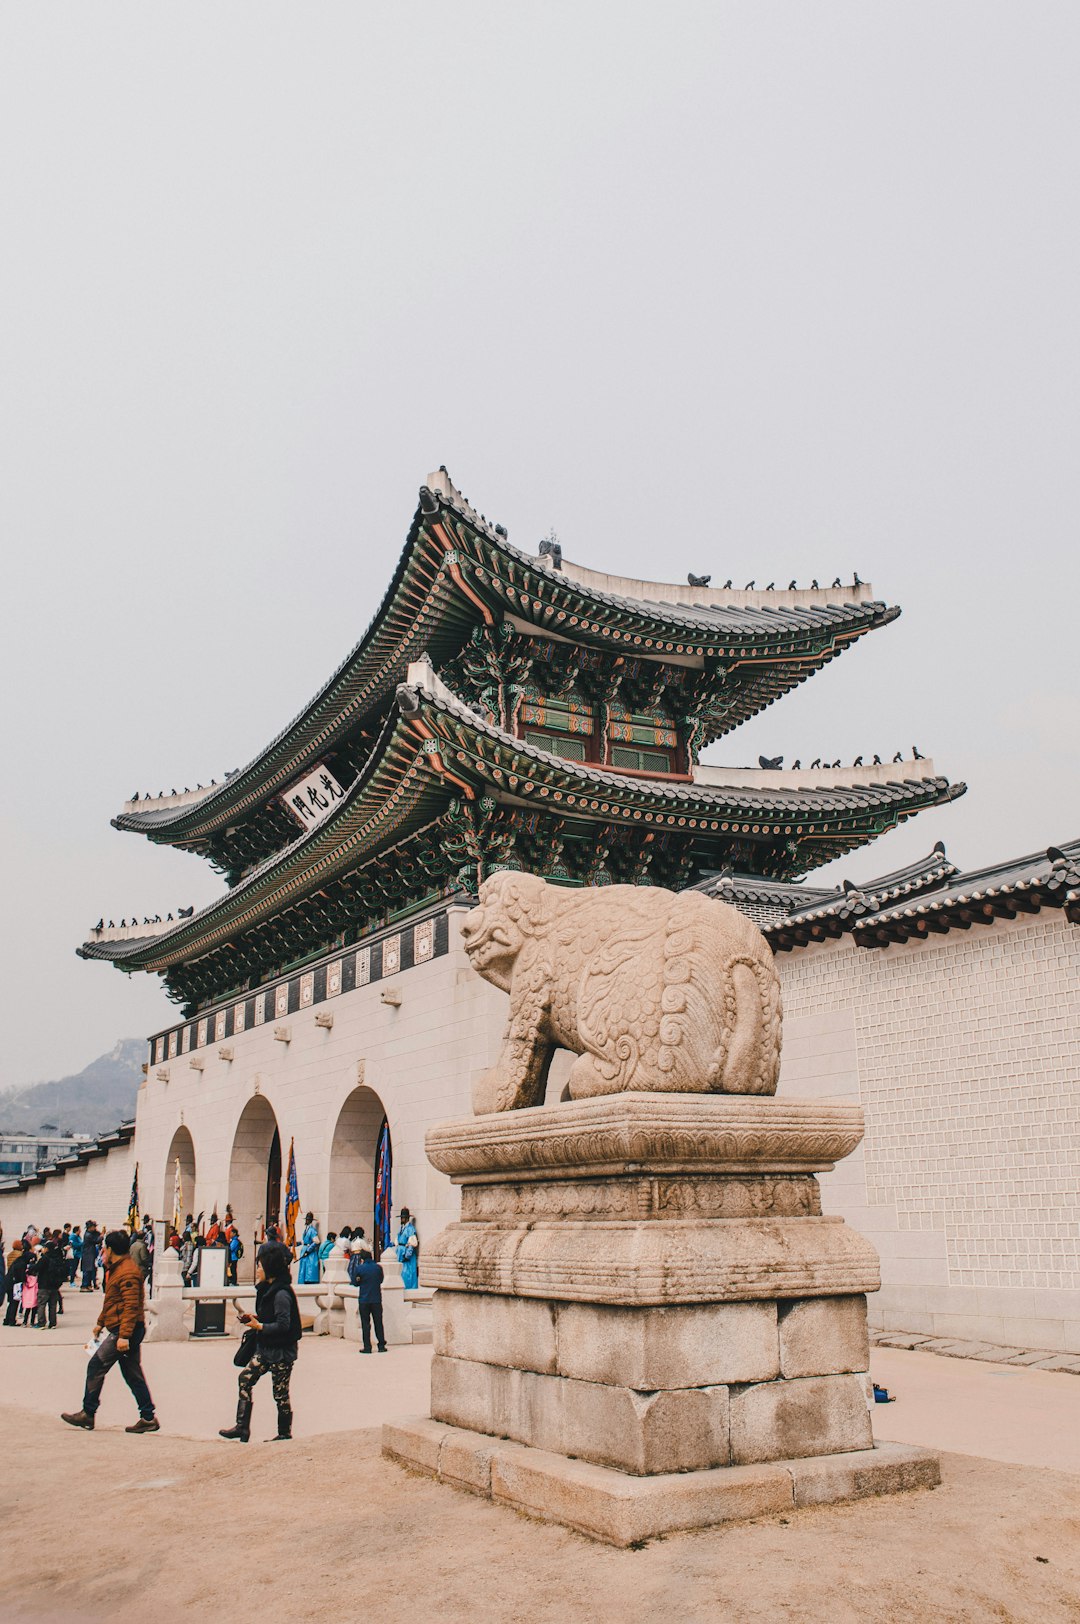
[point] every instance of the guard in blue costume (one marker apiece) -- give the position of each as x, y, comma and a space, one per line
309, 1253
408, 1250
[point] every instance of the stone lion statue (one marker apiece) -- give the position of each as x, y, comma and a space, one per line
652, 989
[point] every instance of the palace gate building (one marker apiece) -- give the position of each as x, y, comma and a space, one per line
506, 710
503, 710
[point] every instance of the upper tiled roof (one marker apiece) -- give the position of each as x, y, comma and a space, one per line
430, 606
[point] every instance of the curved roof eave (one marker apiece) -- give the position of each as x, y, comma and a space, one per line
338, 703
406, 778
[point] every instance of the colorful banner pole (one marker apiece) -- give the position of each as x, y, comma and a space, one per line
292, 1200
384, 1212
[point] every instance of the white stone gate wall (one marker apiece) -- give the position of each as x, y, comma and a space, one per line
965, 1052
101, 1190
418, 1057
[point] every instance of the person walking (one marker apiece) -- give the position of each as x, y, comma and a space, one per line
367, 1276
51, 1275
236, 1252
91, 1241
18, 1258
277, 1328
408, 1250
123, 1319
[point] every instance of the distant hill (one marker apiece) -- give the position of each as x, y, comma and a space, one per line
93, 1101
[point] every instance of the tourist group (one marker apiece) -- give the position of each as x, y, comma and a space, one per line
39, 1265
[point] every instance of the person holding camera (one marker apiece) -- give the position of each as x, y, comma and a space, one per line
367, 1276
270, 1342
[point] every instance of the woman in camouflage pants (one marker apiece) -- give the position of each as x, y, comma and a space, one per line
276, 1323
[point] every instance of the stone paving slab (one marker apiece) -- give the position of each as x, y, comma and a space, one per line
954, 1348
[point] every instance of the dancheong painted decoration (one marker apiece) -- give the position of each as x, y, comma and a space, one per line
505, 710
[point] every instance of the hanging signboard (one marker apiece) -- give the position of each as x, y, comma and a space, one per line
313, 797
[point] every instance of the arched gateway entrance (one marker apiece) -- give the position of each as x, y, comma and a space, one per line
255, 1168
182, 1150
353, 1160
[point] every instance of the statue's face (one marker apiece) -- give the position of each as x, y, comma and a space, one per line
491, 939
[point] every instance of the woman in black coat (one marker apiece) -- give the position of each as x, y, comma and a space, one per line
277, 1329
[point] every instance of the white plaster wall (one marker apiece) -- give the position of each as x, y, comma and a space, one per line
101, 1190
419, 1058
965, 1053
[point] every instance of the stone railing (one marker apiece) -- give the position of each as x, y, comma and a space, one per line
332, 1302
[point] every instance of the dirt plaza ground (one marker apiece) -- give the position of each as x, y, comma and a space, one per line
178, 1524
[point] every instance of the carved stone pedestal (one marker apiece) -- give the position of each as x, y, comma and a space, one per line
643, 1321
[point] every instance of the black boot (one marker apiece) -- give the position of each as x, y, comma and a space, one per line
242, 1429
284, 1426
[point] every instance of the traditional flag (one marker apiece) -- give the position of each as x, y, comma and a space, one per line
133, 1204
292, 1199
383, 1208
177, 1197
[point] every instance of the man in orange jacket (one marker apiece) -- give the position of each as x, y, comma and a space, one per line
123, 1319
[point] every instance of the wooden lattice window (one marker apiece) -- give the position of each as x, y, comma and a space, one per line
641, 759
559, 744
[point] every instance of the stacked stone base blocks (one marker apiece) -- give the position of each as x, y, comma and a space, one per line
643, 1321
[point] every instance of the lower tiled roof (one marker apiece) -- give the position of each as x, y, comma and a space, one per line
927, 897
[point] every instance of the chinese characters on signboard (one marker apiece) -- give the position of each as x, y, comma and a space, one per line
312, 798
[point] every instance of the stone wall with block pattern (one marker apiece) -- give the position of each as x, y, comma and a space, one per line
965, 1053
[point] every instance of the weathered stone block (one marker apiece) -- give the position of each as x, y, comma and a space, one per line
516, 1331
640, 1433
465, 1461
655, 1263
414, 1443
885, 1469
654, 1348
823, 1336
625, 1510
467, 1393
787, 1420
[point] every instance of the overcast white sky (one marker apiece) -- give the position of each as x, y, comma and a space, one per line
764, 290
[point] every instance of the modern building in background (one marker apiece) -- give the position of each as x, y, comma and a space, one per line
22, 1154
